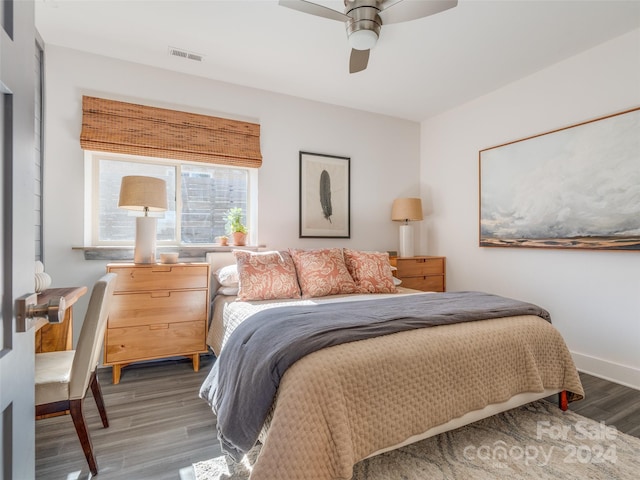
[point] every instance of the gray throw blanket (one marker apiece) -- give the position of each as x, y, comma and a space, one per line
242, 383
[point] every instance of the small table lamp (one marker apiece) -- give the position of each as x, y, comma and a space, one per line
406, 210
147, 194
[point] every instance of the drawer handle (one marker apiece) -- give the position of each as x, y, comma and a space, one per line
161, 270
159, 326
160, 294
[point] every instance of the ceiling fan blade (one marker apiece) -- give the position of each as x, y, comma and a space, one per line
314, 9
359, 60
403, 11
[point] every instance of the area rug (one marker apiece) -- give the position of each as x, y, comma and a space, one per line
537, 441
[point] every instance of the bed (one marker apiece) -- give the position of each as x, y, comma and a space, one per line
349, 401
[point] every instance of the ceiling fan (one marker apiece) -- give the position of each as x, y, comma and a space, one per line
364, 18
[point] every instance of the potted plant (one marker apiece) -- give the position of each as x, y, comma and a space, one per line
235, 227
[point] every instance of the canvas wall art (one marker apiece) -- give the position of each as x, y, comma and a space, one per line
576, 187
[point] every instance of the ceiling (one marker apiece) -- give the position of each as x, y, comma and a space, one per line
418, 69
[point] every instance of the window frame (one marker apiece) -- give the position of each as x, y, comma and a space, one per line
92, 189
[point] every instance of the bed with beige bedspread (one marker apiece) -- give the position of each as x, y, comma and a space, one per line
341, 404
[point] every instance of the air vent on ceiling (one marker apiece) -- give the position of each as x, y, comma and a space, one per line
178, 52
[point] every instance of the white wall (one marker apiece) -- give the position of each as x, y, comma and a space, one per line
384, 154
593, 296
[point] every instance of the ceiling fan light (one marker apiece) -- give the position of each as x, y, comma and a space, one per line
363, 39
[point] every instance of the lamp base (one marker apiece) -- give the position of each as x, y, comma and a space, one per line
406, 241
145, 249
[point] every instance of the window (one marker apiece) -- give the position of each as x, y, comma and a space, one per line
199, 195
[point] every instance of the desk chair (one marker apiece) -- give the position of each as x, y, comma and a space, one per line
63, 378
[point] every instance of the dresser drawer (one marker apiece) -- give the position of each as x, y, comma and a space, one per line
157, 307
420, 266
427, 284
154, 341
160, 277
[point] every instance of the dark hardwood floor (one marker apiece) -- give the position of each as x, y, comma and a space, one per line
159, 427
611, 403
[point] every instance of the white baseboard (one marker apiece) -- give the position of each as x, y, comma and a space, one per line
614, 372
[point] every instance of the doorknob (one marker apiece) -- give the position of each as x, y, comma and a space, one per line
28, 311
53, 310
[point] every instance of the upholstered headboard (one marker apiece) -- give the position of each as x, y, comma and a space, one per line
219, 259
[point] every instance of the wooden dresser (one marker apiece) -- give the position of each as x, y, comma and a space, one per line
421, 273
157, 311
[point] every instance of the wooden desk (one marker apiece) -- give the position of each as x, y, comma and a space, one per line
51, 337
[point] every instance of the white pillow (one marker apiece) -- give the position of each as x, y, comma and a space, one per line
396, 281
228, 276
228, 291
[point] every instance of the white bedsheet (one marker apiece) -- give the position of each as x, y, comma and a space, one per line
227, 313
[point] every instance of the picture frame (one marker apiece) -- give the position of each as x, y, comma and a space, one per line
325, 199
572, 188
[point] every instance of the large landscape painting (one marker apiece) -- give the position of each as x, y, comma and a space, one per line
577, 187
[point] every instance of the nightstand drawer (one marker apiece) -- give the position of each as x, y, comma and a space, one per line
153, 341
420, 266
150, 308
426, 273
428, 284
160, 277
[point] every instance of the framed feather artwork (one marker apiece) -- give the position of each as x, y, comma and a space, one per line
324, 196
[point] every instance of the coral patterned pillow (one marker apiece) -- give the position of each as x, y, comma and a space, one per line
322, 272
370, 270
266, 275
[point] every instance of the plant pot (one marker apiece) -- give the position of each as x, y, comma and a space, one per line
239, 238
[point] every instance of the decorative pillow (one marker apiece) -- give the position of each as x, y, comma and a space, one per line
228, 276
370, 270
322, 272
266, 275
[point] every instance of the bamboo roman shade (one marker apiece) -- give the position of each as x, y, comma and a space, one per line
119, 127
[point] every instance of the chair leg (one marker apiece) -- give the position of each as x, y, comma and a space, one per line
77, 414
97, 395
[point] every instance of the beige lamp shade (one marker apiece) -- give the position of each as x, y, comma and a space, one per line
143, 193
406, 209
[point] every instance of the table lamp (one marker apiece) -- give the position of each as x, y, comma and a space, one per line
146, 194
406, 210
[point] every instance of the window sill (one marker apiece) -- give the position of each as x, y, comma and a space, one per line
189, 253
